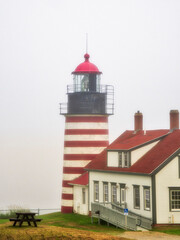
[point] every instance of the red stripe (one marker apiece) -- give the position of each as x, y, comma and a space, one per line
86, 131
65, 184
79, 156
86, 143
67, 196
65, 209
87, 119
73, 170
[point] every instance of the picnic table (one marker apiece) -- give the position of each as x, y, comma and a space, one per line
25, 217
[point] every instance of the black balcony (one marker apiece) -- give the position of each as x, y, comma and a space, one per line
85, 101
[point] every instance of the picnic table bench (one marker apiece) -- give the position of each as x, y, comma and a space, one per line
25, 217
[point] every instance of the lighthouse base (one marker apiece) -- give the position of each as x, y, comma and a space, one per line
65, 209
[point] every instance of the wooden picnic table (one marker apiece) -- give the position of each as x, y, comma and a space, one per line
25, 217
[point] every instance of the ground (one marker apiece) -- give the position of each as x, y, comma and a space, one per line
44, 232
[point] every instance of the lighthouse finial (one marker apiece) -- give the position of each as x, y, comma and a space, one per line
86, 42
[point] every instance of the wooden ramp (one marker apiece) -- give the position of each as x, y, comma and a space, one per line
114, 214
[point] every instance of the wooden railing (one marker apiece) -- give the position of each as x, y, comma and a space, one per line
142, 221
105, 212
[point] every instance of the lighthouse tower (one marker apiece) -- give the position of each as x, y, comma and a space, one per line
86, 124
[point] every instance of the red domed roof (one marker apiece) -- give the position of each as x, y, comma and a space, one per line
86, 67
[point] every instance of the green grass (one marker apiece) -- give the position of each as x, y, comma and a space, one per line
170, 229
77, 221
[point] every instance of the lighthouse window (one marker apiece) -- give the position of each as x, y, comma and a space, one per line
81, 83
85, 83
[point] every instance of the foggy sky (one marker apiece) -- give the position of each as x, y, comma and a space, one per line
136, 44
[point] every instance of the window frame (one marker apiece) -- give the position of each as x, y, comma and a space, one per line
124, 159
105, 194
122, 188
96, 191
145, 189
171, 189
113, 186
135, 187
83, 196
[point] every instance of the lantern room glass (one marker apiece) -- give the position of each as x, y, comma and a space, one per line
86, 82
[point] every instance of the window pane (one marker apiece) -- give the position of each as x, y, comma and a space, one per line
114, 193
96, 191
105, 192
136, 197
83, 196
147, 198
175, 199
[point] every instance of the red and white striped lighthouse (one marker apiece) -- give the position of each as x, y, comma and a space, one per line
86, 124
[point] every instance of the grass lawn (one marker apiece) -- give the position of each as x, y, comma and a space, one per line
60, 226
68, 226
174, 229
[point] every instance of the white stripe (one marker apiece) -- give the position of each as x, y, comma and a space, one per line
66, 203
75, 163
86, 137
69, 176
86, 125
83, 150
67, 190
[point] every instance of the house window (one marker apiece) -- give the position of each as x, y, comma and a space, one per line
124, 159
175, 199
113, 193
122, 194
147, 198
96, 191
105, 192
136, 196
83, 196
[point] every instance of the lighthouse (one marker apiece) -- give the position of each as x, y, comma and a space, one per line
89, 104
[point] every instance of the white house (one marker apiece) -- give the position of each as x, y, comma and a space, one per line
140, 171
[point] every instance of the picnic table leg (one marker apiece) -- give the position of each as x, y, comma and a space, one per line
14, 224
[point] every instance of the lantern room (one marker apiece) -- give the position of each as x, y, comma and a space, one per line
86, 95
86, 77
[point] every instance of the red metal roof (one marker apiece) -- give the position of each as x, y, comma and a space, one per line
82, 180
147, 164
129, 139
86, 67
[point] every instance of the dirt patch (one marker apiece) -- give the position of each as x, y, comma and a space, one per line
147, 235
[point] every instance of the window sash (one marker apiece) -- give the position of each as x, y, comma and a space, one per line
175, 200
105, 192
83, 196
96, 191
147, 198
123, 195
136, 197
124, 159
113, 193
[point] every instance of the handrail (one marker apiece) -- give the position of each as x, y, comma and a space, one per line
142, 221
105, 212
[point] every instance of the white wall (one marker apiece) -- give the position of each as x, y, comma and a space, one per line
139, 152
78, 206
118, 178
167, 177
112, 159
